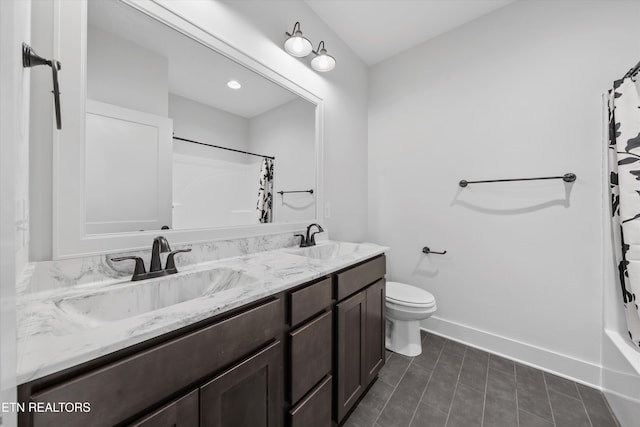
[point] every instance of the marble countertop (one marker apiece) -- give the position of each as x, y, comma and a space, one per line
51, 337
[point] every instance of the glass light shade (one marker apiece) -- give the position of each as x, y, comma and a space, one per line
234, 84
323, 62
298, 46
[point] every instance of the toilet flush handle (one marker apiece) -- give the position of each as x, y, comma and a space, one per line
426, 250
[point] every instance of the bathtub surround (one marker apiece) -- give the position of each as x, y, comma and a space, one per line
624, 141
514, 93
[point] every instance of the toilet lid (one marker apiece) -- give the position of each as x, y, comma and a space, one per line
402, 293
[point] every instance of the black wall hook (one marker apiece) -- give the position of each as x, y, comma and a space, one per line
32, 59
426, 250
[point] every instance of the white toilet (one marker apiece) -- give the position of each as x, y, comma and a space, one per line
406, 306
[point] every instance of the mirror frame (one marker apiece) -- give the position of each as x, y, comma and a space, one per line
69, 237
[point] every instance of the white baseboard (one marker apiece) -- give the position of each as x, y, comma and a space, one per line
559, 364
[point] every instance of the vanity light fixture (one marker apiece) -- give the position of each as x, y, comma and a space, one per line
234, 84
322, 62
297, 45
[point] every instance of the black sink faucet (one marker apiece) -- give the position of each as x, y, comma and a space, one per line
160, 245
310, 238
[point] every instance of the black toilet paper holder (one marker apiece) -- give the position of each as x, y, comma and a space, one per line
426, 250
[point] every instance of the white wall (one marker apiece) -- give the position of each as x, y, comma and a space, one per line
199, 122
516, 93
14, 182
287, 133
122, 73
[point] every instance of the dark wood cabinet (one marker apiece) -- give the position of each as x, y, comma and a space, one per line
374, 354
182, 412
310, 355
295, 359
315, 409
351, 350
121, 389
247, 395
360, 332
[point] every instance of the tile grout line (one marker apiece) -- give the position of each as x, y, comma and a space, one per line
455, 389
584, 406
567, 395
394, 390
546, 388
425, 387
486, 387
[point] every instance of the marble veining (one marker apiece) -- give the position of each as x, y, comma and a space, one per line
63, 325
51, 275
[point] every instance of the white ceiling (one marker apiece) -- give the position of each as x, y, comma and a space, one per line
379, 29
195, 71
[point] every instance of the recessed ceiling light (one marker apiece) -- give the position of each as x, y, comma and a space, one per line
234, 84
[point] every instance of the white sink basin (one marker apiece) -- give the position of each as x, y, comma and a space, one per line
326, 251
121, 302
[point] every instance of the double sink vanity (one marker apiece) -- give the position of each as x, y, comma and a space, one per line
289, 336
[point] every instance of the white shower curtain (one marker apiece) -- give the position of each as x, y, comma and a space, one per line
624, 164
265, 193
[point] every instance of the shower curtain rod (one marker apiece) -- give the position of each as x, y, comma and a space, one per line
223, 148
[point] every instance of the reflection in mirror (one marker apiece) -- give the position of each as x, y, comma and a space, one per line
172, 142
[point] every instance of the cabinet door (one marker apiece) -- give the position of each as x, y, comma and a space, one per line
182, 412
248, 394
374, 354
351, 348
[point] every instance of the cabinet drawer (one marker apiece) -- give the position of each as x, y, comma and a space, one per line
127, 387
179, 413
310, 355
315, 409
310, 301
356, 278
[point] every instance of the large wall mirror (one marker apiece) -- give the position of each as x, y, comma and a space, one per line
175, 133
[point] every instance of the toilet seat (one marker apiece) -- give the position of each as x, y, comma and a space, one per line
408, 296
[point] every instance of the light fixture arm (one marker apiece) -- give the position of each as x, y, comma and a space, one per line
293, 32
319, 47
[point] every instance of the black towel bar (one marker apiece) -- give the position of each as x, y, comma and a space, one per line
567, 177
297, 191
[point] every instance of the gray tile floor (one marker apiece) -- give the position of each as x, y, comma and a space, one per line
453, 385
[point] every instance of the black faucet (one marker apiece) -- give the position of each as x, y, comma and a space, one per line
310, 238
160, 245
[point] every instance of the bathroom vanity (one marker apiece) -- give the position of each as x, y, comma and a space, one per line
296, 354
